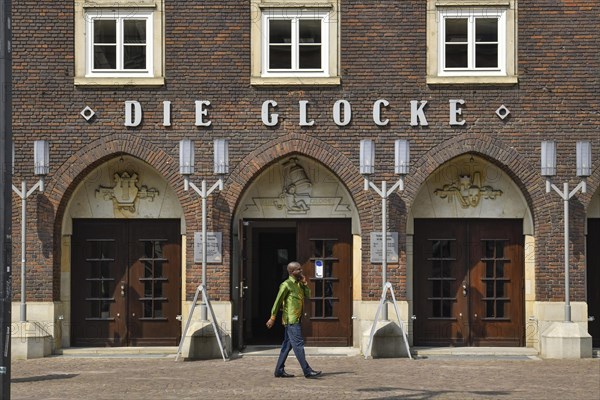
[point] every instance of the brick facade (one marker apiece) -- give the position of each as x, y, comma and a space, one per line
383, 56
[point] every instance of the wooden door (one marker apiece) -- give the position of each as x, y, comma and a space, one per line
496, 283
593, 279
98, 266
126, 282
468, 279
154, 293
241, 288
327, 318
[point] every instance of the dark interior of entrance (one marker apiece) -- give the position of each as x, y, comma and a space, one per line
593, 279
274, 249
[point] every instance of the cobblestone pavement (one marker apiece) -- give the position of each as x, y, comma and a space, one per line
161, 377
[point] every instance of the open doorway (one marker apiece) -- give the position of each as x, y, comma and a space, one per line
268, 246
273, 249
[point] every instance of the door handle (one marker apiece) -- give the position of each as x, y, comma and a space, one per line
123, 290
464, 288
242, 287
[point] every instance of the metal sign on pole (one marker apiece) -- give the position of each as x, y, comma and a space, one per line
213, 321
386, 287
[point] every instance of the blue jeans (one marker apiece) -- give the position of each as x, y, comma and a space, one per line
292, 340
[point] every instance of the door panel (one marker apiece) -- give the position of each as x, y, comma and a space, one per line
327, 317
155, 283
468, 277
496, 283
593, 279
98, 270
126, 282
242, 281
439, 278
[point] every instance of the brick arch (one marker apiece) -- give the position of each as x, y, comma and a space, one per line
593, 185
65, 180
269, 153
523, 174
68, 176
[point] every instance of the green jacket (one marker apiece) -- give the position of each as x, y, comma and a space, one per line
290, 299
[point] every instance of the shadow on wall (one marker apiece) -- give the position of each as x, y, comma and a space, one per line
44, 226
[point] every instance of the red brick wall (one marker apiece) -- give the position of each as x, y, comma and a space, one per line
383, 55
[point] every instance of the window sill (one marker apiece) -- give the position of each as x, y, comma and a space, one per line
300, 4
472, 80
116, 81
294, 81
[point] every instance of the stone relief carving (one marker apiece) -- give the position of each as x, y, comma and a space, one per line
468, 191
298, 195
126, 192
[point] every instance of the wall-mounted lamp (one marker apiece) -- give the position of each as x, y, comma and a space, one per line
41, 168
367, 168
548, 170
186, 168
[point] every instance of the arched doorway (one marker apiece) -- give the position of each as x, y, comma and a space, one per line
296, 209
122, 282
593, 268
469, 224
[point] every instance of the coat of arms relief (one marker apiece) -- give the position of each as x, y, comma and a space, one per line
125, 194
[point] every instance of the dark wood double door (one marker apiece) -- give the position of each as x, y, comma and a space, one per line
468, 282
125, 283
267, 247
593, 279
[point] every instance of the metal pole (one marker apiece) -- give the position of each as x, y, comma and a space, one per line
203, 195
384, 315
23, 249
5, 197
566, 216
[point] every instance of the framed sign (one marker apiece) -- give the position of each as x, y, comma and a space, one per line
377, 247
214, 249
319, 269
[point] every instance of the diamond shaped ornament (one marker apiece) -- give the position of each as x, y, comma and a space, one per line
87, 113
502, 112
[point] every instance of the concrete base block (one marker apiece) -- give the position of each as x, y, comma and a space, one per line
201, 342
566, 340
388, 341
29, 340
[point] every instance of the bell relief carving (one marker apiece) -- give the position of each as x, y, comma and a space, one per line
290, 189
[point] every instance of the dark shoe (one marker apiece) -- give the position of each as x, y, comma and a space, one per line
284, 375
312, 374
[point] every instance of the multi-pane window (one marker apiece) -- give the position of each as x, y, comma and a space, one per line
496, 279
100, 277
295, 42
472, 42
442, 297
119, 43
325, 297
154, 279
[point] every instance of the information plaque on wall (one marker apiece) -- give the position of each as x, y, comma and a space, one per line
214, 253
377, 247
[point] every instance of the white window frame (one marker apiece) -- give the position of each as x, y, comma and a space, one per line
507, 73
120, 15
471, 14
294, 15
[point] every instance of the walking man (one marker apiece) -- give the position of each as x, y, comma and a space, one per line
290, 299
